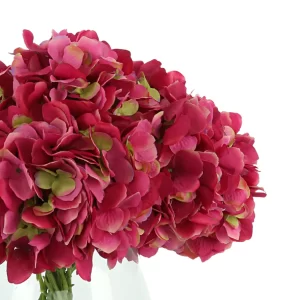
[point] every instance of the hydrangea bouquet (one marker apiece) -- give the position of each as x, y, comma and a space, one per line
104, 155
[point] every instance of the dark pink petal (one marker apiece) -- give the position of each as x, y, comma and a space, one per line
210, 157
140, 183
122, 169
84, 267
2, 252
209, 177
188, 162
250, 154
233, 120
157, 124
174, 109
21, 187
236, 198
196, 117
60, 254
42, 222
206, 219
177, 131
40, 241
174, 76
182, 210
25, 146
222, 235
165, 156
206, 195
82, 240
11, 201
20, 264
110, 92
124, 57
39, 155
188, 230
96, 188
66, 71
114, 194
23, 131
251, 176
175, 91
246, 229
187, 143
114, 132
112, 262
147, 251
162, 232
233, 232
143, 146
206, 247
67, 216
111, 220
87, 120
56, 109
139, 91
28, 38
87, 33
106, 242
163, 183
232, 160
65, 205
186, 183
228, 183
131, 201
11, 222
151, 198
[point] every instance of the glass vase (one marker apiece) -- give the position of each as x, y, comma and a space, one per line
124, 282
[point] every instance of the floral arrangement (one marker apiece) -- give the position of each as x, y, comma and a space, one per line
104, 155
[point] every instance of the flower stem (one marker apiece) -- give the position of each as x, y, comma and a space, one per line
56, 285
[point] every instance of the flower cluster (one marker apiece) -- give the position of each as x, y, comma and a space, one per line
100, 153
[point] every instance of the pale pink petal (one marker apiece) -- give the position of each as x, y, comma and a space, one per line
56, 47
11, 222
111, 220
107, 242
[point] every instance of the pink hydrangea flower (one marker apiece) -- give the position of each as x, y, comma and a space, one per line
103, 154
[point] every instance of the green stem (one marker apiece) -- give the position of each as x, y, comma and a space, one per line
51, 278
63, 279
56, 285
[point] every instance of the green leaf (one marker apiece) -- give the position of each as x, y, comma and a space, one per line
29, 231
1, 94
63, 186
62, 173
19, 120
47, 171
143, 81
129, 148
232, 220
152, 92
90, 91
102, 140
85, 132
45, 209
128, 108
44, 180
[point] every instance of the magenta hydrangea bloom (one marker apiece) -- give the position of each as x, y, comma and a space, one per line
103, 154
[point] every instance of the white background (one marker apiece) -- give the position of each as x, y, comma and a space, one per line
245, 55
